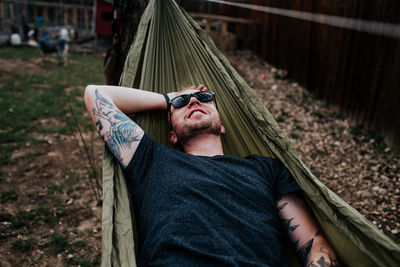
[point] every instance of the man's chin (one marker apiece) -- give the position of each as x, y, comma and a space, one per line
192, 131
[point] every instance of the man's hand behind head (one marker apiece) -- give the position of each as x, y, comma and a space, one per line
201, 87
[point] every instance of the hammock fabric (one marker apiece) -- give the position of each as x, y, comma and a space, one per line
170, 52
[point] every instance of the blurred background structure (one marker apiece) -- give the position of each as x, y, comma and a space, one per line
345, 52
78, 13
89, 19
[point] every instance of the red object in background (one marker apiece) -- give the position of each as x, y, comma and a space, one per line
104, 17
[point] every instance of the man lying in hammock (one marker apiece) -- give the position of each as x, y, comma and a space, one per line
199, 207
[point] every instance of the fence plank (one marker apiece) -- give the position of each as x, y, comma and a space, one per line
75, 17
65, 16
45, 16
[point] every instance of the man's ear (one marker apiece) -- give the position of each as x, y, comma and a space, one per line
172, 137
222, 128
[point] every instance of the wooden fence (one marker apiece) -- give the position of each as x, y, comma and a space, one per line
356, 70
19, 12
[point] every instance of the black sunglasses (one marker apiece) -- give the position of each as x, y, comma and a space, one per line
183, 100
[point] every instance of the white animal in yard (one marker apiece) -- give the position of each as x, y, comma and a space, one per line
15, 39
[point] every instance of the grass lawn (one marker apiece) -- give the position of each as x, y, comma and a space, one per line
49, 212
27, 97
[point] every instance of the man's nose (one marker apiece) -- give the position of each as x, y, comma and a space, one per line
193, 101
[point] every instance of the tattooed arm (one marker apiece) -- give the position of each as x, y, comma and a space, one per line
311, 245
107, 105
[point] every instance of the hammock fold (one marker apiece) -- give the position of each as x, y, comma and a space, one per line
171, 52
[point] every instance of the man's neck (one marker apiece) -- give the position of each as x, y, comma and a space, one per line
204, 145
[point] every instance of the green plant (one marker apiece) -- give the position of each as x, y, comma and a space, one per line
23, 245
79, 244
337, 115
55, 188
83, 261
294, 135
5, 231
59, 243
356, 130
70, 178
318, 114
41, 214
23, 218
299, 126
79, 262
8, 196
39, 198
362, 134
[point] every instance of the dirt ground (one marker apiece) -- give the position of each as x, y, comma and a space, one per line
58, 162
46, 192
351, 161
347, 163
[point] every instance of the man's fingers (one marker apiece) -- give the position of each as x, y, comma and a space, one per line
201, 87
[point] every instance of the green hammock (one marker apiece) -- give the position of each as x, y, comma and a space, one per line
171, 52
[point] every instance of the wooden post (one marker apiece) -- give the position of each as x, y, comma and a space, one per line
1, 13
45, 16
75, 17
35, 14
24, 19
86, 12
65, 16
12, 15
224, 35
56, 16
208, 26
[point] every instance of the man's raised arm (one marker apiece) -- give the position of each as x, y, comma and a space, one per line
108, 106
310, 243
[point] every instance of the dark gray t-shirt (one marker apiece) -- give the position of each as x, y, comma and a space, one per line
206, 211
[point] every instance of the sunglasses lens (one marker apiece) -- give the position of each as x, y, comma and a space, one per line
179, 101
204, 96
183, 100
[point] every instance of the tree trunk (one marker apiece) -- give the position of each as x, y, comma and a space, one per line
130, 12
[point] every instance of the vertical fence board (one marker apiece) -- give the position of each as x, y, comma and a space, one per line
75, 17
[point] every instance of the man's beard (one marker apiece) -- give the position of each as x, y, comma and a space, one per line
190, 131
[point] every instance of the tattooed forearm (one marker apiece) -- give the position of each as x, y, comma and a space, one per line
310, 244
320, 258
305, 250
288, 227
326, 260
120, 132
282, 205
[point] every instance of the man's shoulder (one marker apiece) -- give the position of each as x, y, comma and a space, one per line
149, 142
149, 150
256, 157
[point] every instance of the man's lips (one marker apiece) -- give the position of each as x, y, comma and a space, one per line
195, 110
